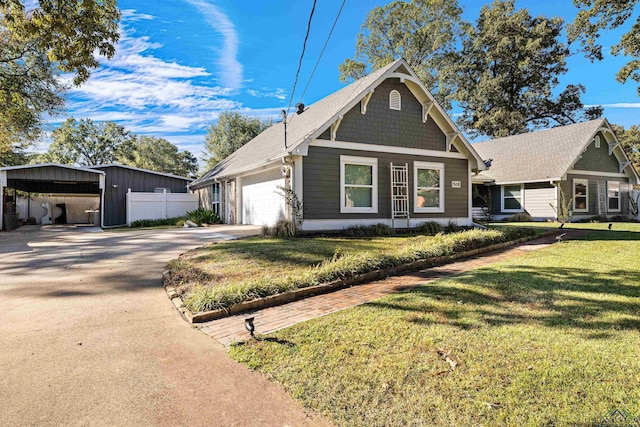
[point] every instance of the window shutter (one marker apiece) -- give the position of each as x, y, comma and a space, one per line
394, 100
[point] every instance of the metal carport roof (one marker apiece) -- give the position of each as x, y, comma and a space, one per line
50, 178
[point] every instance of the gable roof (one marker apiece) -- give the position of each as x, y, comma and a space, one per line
545, 155
268, 147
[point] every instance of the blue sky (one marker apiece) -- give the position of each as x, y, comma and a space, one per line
180, 63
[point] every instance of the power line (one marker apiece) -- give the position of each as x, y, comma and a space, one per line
323, 48
304, 47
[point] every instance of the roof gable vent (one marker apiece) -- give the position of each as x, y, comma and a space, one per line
394, 100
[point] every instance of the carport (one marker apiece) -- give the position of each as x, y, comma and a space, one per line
49, 178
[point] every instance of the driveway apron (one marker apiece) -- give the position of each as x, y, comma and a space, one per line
89, 337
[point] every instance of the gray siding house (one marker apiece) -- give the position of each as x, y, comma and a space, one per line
530, 173
380, 150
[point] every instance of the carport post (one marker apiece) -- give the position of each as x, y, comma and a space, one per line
3, 183
101, 185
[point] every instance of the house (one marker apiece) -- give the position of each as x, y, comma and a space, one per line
581, 163
380, 150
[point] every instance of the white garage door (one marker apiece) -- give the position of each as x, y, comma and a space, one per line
538, 201
261, 205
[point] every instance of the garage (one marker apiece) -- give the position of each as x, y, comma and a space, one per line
261, 203
65, 194
51, 193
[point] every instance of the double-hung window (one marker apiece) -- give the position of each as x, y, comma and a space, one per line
428, 184
580, 195
613, 195
358, 184
215, 197
513, 198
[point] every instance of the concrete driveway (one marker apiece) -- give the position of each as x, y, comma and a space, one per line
89, 337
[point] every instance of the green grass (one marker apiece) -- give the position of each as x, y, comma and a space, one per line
222, 275
549, 338
617, 226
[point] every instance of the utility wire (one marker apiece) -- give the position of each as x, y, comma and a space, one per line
323, 48
304, 47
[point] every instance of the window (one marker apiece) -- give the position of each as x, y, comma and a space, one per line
358, 184
513, 198
428, 184
394, 100
597, 141
581, 195
215, 197
613, 191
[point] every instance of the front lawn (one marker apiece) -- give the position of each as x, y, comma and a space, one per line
225, 274
616, 226
549, 338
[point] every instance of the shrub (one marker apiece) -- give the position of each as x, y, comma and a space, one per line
203, 216
452, 227
520, 217
179, 221
379, 229
430, 228
283, 228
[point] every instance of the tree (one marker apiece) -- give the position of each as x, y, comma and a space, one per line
87, 143
509, 65
630, 142
423, 32
158, 154
232, 131
39, 44
597, 16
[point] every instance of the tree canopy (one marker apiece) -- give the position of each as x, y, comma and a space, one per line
231, 132
509, 65
36, 46
85, 143
423, 32
630, 141
158, 154
597, 16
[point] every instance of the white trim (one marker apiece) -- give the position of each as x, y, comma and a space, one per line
366, 161
426, 108
365, 101
434, 166
334, 128
502, 208
356, 146
594, 173
596, 142
575, 181
392, 105
116, 165
340, 224
298, 184
45, 165
619, 197
470, 191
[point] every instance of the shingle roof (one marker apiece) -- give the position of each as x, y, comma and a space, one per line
536, 156
269, 145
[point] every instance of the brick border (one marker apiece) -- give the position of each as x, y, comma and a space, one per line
298, 294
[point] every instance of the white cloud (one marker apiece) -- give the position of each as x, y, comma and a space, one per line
279, 93
621, 105
132, 15
230, 69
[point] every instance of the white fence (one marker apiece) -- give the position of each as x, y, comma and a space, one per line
159, 205
635, 195
75, 206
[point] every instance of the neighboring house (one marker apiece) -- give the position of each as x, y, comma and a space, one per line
529, 172
380, 150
